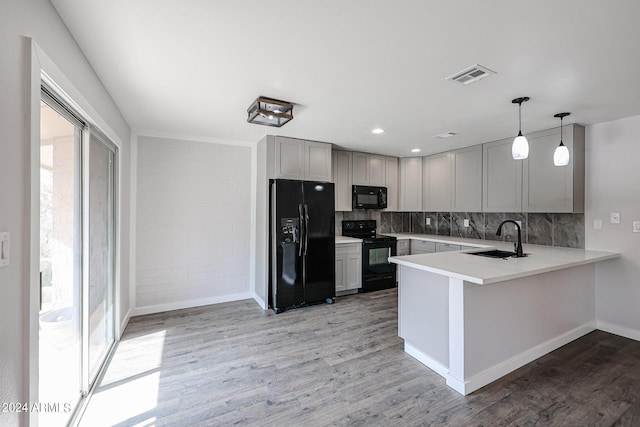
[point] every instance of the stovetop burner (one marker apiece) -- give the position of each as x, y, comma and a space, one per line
364, 229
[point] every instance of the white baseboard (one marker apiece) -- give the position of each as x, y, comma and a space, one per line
623, 331
426, 360
501, 369
259, 300
124, 323
178, 305
498, 371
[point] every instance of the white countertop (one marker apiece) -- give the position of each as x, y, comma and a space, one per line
484, 270
340, 240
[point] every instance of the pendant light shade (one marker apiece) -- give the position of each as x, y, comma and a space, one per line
520, 147
561, 155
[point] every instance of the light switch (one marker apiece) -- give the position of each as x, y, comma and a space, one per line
5, 252
466, 222
597, 224
636, 226
614, 218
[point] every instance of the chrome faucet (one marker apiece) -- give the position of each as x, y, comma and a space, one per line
517, 246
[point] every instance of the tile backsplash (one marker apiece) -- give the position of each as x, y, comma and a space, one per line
551, 229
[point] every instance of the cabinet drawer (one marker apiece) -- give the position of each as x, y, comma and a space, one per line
422, 247
348, 248
444, 247
403, 247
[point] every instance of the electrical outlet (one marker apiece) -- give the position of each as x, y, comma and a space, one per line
5, 241
427, 221
614, 218
519, 223
636, 226
466, 222
597, 224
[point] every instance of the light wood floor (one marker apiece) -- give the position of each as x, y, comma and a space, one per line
342, 364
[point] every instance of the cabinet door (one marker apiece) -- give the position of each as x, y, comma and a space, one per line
501, 178
391, 182
317, 161
446, 247
377, 166
546, 187
289, 158
341, 270
422, 247
402, 247
342, 179
436, 185
466, 166
411, 184
353, 279
360, 169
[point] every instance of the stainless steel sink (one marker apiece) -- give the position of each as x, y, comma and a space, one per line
494, 253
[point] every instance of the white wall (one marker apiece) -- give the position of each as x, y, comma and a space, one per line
19, 21
612, 178
193, 222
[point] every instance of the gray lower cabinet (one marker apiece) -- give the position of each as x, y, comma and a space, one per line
422, 247
403, 247
348, 267
446, 247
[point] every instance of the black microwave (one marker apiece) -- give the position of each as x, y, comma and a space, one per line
369, 197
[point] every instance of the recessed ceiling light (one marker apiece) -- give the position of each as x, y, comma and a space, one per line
445, 135
415, 150
377, 130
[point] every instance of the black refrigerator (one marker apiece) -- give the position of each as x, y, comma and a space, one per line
302, 243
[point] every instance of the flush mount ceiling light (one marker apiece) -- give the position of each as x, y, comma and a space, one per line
377, 131
270, 112
520, 147
415, 150
445, 135
561, 155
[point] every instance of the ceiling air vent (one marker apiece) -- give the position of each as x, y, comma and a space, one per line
471, 74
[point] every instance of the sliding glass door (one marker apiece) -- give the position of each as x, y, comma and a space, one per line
99, 256
77, 247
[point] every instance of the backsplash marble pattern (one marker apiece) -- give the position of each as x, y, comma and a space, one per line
565, 230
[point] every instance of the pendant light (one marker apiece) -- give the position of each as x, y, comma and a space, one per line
520, 147
561, 155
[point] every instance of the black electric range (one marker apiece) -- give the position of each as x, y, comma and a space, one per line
377, 272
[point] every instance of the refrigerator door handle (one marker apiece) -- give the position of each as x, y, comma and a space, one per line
306, 228
302, 232
389, 256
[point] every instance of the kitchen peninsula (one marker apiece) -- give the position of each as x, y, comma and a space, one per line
474, 319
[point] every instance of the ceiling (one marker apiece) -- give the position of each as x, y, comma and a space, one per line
192, 67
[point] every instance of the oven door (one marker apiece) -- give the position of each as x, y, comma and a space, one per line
375, 258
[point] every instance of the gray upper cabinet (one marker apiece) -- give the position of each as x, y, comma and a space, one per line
299, 159
392, 177
317, 161
501, 178
466, 173
550, 188
411, 184
436, 183
342, 164
289, 158
369, 169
